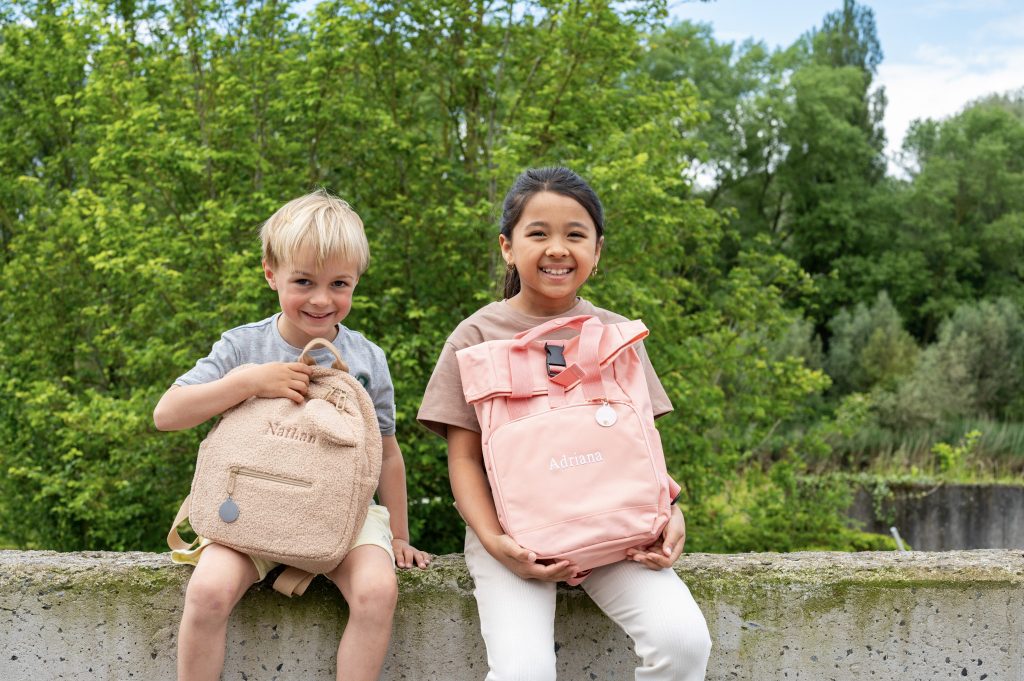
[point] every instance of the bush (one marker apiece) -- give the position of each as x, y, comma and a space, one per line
869, 348
972, 371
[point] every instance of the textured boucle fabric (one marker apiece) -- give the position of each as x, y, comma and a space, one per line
301, 476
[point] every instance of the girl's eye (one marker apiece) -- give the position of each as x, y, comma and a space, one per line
535, 233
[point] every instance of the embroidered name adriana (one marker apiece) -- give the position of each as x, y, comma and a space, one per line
568, 461
290, 432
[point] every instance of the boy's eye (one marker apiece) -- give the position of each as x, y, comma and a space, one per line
302, 282
340, 283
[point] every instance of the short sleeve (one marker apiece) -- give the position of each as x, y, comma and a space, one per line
223, 358
444, 403
660, 403
382, 392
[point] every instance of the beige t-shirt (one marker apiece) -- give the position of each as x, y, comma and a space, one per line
444, 403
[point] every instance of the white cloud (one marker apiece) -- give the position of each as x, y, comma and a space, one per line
939, 83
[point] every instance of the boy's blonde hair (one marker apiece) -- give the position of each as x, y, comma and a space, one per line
320, 222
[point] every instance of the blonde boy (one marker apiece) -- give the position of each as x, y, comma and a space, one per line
314, 251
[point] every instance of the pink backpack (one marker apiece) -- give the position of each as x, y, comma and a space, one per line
572, 455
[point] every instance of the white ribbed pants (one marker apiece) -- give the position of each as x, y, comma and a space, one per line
655, 608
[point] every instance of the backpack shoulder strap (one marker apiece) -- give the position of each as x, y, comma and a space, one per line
292, 581
174, 540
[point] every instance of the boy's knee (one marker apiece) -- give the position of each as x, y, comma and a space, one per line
374, 596
209, 598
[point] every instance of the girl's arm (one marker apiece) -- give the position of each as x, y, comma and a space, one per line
476, 505
393, 495
186, 406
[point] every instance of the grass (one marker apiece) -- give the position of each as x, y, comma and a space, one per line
996, 456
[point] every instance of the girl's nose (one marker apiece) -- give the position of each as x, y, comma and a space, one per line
556, 248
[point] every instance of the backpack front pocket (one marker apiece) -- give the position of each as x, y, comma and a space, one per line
560, 484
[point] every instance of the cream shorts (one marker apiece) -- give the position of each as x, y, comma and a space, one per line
376, 532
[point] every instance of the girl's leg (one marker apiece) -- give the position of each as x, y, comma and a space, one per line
367, 581
220, 579
657, 611
517, 618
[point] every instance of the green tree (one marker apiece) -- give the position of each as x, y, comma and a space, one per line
193, 121
869, 347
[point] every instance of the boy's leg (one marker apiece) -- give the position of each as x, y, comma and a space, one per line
517, 618
367, 581
220, 579
657, 611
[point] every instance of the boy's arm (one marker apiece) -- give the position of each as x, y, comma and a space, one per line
393, 495
189, 405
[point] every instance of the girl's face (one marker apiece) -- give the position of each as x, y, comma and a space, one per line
554, 246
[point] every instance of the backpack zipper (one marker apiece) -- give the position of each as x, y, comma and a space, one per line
250, 473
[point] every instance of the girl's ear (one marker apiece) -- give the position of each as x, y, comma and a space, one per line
597, 253
269, 274
506, 249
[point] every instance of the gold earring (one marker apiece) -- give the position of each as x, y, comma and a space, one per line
593, 272
510, 267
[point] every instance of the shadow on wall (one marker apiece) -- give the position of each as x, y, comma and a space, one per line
945, 517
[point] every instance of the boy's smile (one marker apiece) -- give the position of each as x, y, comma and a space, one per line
314, 299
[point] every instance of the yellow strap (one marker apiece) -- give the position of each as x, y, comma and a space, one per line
174, 539
293, 582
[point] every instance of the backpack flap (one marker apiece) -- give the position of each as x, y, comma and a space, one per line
486, 373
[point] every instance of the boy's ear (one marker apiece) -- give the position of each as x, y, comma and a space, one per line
269, 274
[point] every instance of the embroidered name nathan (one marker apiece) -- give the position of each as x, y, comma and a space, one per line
290, 432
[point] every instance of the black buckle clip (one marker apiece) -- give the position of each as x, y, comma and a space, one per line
555, 359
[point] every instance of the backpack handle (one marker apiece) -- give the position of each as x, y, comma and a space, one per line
587, 368
307, 358
523, 338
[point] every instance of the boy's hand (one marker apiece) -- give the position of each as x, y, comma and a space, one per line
281, 379
407, 555
669, 546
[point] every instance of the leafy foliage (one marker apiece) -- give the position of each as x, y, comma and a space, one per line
131, 209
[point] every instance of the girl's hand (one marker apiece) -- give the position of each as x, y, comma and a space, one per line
407, 555
280, 379
524, 562
664, 552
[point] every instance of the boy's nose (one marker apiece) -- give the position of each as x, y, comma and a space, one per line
319, 297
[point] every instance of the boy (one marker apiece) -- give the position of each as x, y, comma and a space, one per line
314, 251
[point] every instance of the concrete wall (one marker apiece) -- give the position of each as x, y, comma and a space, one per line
883, 616
947, 517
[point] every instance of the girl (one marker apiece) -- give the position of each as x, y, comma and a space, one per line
552, 231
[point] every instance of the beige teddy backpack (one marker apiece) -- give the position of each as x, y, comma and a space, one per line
289, 482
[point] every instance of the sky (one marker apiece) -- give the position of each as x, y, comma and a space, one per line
939, 55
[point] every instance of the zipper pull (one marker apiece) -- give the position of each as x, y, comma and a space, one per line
605, 415
229, 509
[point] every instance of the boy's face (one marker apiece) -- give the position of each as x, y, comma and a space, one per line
313, 300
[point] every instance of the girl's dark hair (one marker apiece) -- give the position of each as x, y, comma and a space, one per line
534, 181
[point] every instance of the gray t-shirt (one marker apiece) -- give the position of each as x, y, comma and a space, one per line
261, 342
